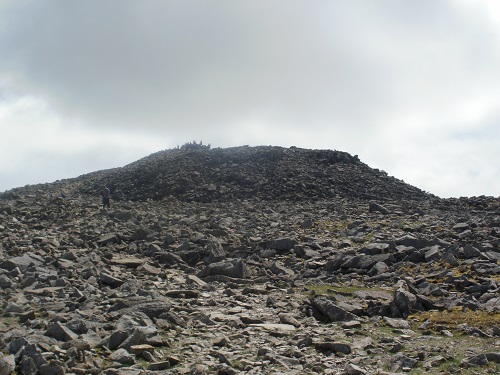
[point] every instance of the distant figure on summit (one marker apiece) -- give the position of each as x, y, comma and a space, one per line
105, 197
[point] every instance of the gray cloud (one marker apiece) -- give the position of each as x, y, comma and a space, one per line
337, 74
164, 63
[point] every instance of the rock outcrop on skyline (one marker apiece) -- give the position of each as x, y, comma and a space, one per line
249, 260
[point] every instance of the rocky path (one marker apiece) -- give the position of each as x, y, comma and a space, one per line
249, 286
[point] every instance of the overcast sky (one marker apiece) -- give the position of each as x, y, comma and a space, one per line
412, 87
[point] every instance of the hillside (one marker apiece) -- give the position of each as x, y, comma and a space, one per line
249, 260
266, 172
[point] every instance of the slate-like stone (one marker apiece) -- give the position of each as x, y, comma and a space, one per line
404, 302
52, 368
122, 356
216, 252
5, 282
283, 244
138, 337
21, 262
334, 347
111, 280
7, 364
60, 332
159, 366
331, 310
432, 254
108, 239
235, 269
27, 366
375, 207
402, 362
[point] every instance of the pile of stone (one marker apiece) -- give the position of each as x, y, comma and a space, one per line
349, 285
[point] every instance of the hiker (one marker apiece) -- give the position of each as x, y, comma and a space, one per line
105, 197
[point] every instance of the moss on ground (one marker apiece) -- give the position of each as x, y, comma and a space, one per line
456, 316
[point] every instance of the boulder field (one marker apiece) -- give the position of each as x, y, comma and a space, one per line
247, 261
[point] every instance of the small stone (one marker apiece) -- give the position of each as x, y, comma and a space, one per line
334, 347
122, 356
397, 323
7, 364
5, 282
351, 324
139, 349
352, 369
159, 366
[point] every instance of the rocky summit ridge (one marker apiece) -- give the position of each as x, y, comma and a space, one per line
202, 174
248, 260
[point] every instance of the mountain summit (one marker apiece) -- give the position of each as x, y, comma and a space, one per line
200, 174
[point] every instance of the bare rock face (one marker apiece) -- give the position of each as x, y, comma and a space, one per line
247, 260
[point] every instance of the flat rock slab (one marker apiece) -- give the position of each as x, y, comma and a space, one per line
128, 262
182, 293
147, 268
332, 311
138, 349
374, 294
275, 327
334, 347
397, 323
221, 317
44, 291
23, 262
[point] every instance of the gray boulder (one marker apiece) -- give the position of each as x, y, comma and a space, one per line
403, 303
216, 252
7, 364
60, 332
236, 269
283, 244
333, 312
375, 207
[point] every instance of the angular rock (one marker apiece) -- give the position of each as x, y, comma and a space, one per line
397, 323
138, 337
27, 366
352, 369
21, 262
235, 269
404, 302
111, 280
167, 227
402, 362
216, 252
432, 254
333, 312
108, 239
5, 282
159, 366
283, 244
60, 332
375, 207
7, 364
52, 368
122, 356
334, 347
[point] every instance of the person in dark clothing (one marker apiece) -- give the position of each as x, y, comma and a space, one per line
105, 197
